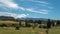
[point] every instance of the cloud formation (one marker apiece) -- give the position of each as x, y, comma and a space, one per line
13, 15
10, 4
41, 11
41, 2
13, 5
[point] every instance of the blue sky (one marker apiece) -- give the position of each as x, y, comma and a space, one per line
30, 8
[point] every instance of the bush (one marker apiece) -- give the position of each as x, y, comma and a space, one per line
3, 25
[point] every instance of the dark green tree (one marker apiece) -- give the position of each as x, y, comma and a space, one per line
48, 23
20, 23
58, 22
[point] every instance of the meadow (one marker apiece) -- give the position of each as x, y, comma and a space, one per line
12, 30
27, 30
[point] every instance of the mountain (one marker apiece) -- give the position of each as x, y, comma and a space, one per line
12, 18
31, 19
6, 18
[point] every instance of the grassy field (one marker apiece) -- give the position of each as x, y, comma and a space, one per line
8, 22
25, 30
11, 30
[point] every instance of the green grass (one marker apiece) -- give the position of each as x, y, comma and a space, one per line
11, 30
25, 30
8, 22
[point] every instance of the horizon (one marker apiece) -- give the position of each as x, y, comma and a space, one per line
49, 9
28, 18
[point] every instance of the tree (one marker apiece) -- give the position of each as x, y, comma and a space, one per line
27, 23
53, 24
20, 23
48, 23
39, 21
58, 22
35, 24
30, 21
48, 26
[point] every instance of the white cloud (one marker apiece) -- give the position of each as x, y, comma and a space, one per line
13, 15
41, 2
37, 1
22, 8
13, 5
21, 16
10, 4
41, 11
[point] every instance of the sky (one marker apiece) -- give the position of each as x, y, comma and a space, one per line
30, 8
